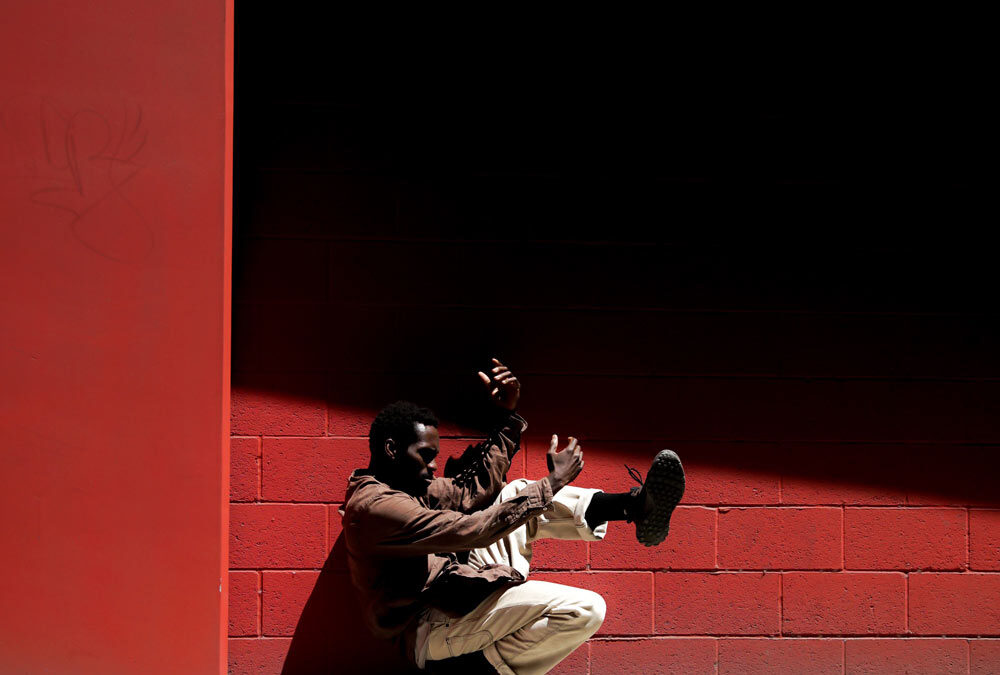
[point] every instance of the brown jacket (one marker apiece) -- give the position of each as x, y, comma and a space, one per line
408, 553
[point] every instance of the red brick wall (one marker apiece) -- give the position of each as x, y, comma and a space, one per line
749, 288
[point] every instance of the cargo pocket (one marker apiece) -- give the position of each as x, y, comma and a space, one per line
466, 644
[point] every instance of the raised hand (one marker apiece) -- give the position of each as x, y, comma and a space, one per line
503, 387
564, 465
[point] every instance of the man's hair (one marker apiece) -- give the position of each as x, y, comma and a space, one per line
396, 421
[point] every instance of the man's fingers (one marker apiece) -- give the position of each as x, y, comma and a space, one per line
484, 377
554, 444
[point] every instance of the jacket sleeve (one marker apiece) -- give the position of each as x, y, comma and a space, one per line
473, 481
397, 525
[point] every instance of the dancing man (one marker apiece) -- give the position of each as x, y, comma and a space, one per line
441, 564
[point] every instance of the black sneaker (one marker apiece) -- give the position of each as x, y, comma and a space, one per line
657, 497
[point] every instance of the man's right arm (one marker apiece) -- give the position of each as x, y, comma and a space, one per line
398, 525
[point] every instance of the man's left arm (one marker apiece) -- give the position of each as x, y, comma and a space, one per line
473, 481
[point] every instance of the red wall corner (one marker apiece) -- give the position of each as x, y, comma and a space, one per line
115, 182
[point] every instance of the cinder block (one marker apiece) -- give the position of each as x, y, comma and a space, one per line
815, 474
765, 656
843, 603
704, 603
310, 469
556, 554
905, 539
282, 269
954, 603
244, 600
963, 475
277, 536
730, 473
284, 596
663, 656
278, 405
628, 596
244, 469
284, 337
257, 656
899, 656
780, 538
345, 420
690, 544
984, 539
984, 657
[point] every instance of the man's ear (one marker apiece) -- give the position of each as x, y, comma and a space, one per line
390, 449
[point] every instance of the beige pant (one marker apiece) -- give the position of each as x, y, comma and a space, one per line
528, 628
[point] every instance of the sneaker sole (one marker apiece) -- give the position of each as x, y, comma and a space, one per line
665, 482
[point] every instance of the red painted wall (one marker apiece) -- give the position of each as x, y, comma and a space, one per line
749, 286
115, 128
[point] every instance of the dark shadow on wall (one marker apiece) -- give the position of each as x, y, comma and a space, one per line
790, 293
331, 631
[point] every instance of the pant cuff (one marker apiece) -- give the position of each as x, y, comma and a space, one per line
588, 533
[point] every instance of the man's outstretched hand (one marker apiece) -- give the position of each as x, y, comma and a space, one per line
503, 387
564, 465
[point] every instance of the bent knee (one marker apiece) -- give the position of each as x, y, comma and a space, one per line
597, 609
589, 610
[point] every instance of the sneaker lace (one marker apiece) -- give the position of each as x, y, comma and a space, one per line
635, 474
630, 517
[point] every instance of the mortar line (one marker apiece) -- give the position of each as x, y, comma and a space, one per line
906, 604
843, 537
652, 606
260, 602
260, 468
968, 538
715, 541
781, 604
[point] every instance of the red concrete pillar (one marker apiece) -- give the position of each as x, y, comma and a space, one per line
115, 182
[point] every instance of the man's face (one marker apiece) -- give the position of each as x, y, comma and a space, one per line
416, 466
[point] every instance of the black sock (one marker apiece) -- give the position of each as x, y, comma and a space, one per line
604, 507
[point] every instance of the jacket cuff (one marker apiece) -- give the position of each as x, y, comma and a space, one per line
516, 423
542, 497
